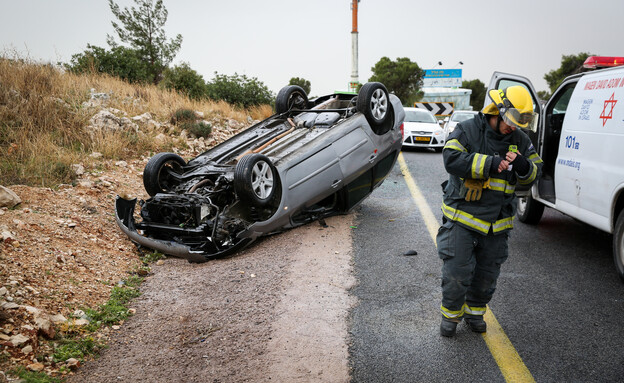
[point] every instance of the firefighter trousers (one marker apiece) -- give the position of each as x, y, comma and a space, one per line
471, 267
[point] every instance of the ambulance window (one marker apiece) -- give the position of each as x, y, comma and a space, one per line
561, 105
507, 83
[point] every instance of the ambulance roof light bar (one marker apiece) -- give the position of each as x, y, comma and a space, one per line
597, 62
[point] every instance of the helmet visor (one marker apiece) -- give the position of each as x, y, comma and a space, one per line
525, 120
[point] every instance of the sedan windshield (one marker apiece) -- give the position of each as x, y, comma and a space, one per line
419, 116
459, 117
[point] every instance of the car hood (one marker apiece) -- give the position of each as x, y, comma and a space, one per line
421, 127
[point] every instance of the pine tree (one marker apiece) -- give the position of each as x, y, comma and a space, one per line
143, 29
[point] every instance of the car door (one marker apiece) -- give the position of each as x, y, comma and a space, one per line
501, 80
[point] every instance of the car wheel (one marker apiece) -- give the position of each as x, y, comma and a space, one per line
618, 245
255, 180
529, 210
290, 97
157, 175
373, 101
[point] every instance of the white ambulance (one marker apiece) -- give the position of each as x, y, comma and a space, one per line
580, 136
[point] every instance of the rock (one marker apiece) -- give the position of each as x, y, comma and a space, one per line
31, 309
145, 118
122, 164
58, 318
9, 305
79, 314
3, 291
95, 155
160, 138
86, 184
27, 350
78, 169
8, 198
36, 367
44, 326
18, 340
106, 120
72, 363
81, 322
4, 337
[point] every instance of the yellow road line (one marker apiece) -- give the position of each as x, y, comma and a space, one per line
504, 353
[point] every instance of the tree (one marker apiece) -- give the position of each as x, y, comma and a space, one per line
143, 29
184, 80
122, 62
543, 95
403, 77
239, 90
569, 65
303, 83
477, 97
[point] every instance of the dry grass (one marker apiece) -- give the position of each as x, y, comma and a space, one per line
43, 120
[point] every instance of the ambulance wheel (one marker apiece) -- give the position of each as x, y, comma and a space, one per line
618, 245
529, 210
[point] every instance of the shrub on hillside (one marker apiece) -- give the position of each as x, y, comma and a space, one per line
239, 90
185, 80
198, 128
122, 62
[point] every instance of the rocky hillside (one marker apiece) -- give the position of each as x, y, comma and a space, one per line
61, 252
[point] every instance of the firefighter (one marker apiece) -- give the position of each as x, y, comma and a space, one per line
486, 158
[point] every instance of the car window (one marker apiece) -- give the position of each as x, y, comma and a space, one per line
459, 117
419, 116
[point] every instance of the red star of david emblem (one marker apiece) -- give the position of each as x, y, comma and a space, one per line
609, 116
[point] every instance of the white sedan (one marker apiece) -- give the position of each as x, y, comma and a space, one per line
457, 117
422, 130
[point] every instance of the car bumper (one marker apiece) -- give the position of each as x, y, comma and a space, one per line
423, 141
124, 215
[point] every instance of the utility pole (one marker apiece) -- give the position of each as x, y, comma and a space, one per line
353, 84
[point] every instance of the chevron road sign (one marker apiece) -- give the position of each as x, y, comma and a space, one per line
437, 108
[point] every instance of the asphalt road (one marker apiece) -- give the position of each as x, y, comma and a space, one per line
559, 300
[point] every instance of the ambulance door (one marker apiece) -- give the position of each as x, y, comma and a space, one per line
502, 80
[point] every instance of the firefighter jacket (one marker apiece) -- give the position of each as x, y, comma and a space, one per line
468, 154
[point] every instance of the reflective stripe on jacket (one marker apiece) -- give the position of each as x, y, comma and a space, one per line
468, 153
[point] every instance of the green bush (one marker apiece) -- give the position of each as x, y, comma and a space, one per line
122, 62
182, 116
199, 128
185, 80
239, 90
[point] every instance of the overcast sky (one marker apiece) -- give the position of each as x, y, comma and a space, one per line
275, 40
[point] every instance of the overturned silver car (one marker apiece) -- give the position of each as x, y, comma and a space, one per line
312, 159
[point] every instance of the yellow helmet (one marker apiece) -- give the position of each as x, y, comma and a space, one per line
515, 106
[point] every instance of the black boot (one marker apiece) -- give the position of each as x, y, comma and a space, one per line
448, 327
476, 323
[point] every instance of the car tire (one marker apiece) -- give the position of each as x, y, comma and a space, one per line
529, 210
618, 245
157, 173
256, 181
290, 97
374, 103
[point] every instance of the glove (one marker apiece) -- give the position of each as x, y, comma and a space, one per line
495, 164
521, 165
474, 189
